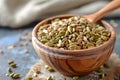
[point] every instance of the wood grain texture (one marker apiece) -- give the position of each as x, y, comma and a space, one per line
74, 62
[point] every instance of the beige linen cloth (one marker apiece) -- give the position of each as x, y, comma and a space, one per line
17, 13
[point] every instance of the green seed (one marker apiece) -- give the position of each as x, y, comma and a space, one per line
29, 78
69, 29
9, 69
11, 75
16, 76
7, 74
44, 40
38, 72
10, 62
101, 69
90, 45
50, 44
51, 70
75, 77
13, 65
98, 42
59, 43
50, 78
73, 30
104, 38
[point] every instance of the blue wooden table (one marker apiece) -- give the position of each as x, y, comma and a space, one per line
26, 60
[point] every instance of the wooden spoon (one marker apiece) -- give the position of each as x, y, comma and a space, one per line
107, 9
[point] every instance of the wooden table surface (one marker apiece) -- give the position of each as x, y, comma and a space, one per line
18, 54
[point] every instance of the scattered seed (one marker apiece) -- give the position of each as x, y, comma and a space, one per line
29, 78
6, 74
50, 78
15, 75
38, 72
75, 77
10, 62
46, 66
24, 44
1, 51
11, 46
13, 65
50, 69
11, 75
9, 70
25, 32
25, 38
27, 51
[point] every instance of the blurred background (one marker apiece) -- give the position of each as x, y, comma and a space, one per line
18, 18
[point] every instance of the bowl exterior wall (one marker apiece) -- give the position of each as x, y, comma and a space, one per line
71, 65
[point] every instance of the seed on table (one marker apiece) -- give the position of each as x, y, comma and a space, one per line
38, 72
27, 51
11, 75
75, 77
1, 51
11, 46
51, 70
10, 62
15, 75
13, 65
101, 69
46, 66
7, 74
29, 78
9, 69
25, 32
50, 78
24, 44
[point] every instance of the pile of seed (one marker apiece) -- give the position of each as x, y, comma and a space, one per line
10, 73
72, 34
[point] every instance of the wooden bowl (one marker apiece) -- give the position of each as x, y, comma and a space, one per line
74, 62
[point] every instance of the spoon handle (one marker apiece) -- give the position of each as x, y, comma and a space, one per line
107, 9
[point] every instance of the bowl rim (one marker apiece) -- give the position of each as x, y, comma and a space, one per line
106, 25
